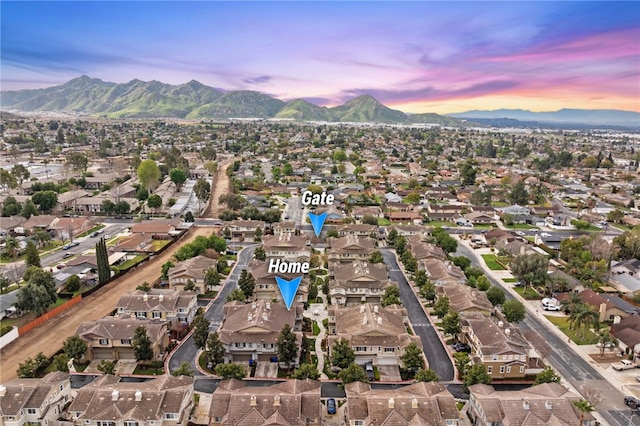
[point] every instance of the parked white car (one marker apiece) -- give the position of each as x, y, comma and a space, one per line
550, 304
624, 364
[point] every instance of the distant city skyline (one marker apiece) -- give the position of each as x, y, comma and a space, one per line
439, 57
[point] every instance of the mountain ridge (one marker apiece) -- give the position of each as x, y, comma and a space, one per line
563, 115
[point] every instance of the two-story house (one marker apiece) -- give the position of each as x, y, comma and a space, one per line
34, 401
287, 246
417, 404
111, 337
293, 402
498, 345
194, 271
176, 307
361, 230
161, 401
284, 228
350, 248
545, 404
266, 287
377, 335
465, 300
250, 331
358, 282
244, 230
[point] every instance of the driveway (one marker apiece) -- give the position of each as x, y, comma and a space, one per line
389, 373
266, 369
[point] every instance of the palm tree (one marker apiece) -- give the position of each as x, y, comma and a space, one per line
569, 305
584, 316
11, 246
583, 406
606, 339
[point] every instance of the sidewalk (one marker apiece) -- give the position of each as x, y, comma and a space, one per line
318, 312
624, 381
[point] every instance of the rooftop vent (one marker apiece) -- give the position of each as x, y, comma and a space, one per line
115, 395
138, 395
3, 390
379, 320
362, 309
249, 317
375, 309
145, 297
392, 403
253, 402
265, 317
507, 331
548, 405
276, 401
161, 297
525, 404
414, 403
268, 305
500, 324
253, 305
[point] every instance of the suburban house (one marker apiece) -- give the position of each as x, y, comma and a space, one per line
34, 401
249, 331
465, 300
442, 272
175, 306
161, 401
358, 229
287, 246
157, 229
244, 230
499, 346
606, 309
67, 200
69, 227
192, 270
350, 248
293, 402
626, 275
376, 334
416, 404
11, 224
44, 221
410, 230
359, 213
627, 331
481, 218
358, 282
545, 404
267, 287
284, 228
111, 337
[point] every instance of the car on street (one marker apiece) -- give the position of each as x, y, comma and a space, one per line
74, 244
545, 234
522, 234
631, 402
66, 247
624, 364
93, 234
68, 254
461, 347
331, 406
61, 266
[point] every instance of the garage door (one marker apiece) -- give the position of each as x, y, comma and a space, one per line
241, 357
126, 354
102, 354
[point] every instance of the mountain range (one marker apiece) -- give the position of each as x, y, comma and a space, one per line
194, 100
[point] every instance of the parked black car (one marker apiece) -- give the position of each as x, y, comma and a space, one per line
632, 402
461, 347
331, 406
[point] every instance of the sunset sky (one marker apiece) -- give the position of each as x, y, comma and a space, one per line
413, 56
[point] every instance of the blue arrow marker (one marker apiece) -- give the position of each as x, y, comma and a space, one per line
317, 221
288, 289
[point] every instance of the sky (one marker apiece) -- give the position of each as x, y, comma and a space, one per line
417, 56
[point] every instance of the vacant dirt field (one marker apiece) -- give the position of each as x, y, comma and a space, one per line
48, 337
221, 186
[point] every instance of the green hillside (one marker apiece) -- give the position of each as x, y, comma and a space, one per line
365, 108
299, 109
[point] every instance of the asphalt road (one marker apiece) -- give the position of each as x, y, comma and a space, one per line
436, 354
187, 351
572, 367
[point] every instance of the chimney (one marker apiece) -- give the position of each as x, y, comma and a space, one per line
375, 309
268, 305
507, 332
379, 320
414, 403
276, 401
362, 309
548, 405
364, 320
161, 297
525, 404
265, 317
253, 305
253, 402
3, 390
249, 317
392, 403
500, 324
145, 297
115, 395
138, 396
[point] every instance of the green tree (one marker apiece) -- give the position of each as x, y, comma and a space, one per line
21, 173
353, 373
106, 366
341, 353
496, 295
122, 207
183, 370
428, 291
583, 406
215, 349
45, 200
483, 283
477, 373
413, 198
461, 261
61, 363
178, 176
513, 310
462, 362
236, 294
391, 296
306, 371
102, 258
74, 347
39, 293
212, 278
547, 375
145, 286
201, 331
78, 161
606, 340
468, 174
287, 346
451, 324
441, 307
148, 174
518, 194
247, 283
32, 256
154, 202
141, 343
412, 358
230, 371
259, 253
27, 369
202, 189
72, 284
376, 257
427, 375
615, 215
165, 269
107, 206
188, 217
276, 173
28, 209
530, 269
420, 277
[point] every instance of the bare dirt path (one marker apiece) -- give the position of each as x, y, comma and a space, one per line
48, 337
222, 185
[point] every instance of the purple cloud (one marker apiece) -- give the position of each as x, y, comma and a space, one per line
258, 80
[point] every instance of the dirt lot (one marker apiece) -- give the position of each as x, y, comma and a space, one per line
221, 186
48, 337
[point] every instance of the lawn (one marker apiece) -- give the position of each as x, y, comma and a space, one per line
510, 280
90, 231
521, 226
441, 223
562, 323
492, 262
132, 262
527, 293
156, 245
316, 328
150, 370
383, 221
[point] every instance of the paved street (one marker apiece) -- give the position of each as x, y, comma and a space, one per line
563, 359
436, 354
187, 351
